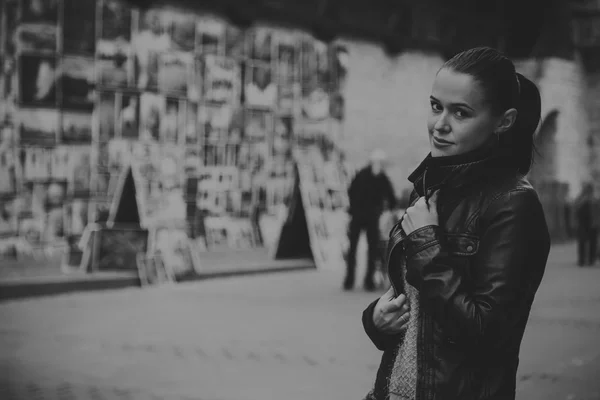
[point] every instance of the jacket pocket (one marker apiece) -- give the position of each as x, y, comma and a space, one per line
461, 244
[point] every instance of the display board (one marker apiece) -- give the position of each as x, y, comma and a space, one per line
88, 85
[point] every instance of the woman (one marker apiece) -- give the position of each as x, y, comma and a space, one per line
467, 257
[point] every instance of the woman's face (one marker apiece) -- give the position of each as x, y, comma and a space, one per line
460, 119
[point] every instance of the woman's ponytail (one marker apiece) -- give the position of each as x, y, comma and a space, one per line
519, 140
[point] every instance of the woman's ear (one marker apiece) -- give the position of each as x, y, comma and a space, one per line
507, 120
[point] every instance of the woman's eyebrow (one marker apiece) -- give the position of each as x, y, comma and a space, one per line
453, 104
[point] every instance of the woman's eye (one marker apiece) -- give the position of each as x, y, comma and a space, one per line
460, 114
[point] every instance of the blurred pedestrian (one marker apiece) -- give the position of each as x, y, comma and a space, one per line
588, 216
370, 193
468, 255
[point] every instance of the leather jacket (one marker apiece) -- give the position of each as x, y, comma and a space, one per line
476, 272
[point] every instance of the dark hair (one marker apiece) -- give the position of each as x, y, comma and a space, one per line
504, 89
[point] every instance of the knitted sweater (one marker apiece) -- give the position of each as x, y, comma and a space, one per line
403, 380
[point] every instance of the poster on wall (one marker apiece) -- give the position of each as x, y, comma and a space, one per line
79, 27
128, 118
173, 72
210, 35
77, 80
222, 80
76, 128
37, 80
38, 126
152, 112
260, 88
37, 37
8, 171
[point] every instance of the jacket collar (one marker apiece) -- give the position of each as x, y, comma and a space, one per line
456, 172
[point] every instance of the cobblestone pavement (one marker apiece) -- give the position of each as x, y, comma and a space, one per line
294, 335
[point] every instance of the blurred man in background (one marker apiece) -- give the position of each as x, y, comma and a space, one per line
370, 193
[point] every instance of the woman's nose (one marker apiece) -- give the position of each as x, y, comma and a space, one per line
441, 125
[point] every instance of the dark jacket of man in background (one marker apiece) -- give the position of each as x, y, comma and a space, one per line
370, 193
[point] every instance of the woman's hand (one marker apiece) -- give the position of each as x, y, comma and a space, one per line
420, 215
391, 314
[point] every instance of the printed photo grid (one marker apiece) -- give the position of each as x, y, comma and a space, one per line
114, 75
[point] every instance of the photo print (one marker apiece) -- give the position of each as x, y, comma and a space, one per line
315, 61
341, 59
38, 37
37, 81
99, 184
215, 121
80, 171
222, 80
79, 27
77, 83
8, 171
287, 57
128, 126
8, 136
100, 157
37, 163
288, 98
60, 165
236, 42
119, 154
76, 128
194, 80
31, 229
8, 217
148, 44
282, 136
115, 21
260, 88
259, 125
261, 44
11, 22
37, 11
38, 126
316, 102
193, 161
191, 128
210, 35
105, 116
7, 81
173, 72
114, 66
152, 112
182, 26
76, 216
173, 121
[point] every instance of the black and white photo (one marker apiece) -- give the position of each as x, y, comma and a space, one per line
173, 72
80, 170
152, 112
79, 27
151, 40
38, 126
38, 38
105, 116
114, 67
115, 21
76, 127
261, 44
37, 81
39, 11
172, 123
260, 90
236, 42
77, 83
128, 118
222, 80
210, 35
183, 30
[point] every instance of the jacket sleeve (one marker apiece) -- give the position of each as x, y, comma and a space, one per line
381, 340
509, 265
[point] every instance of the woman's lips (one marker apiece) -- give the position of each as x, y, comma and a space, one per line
441, 142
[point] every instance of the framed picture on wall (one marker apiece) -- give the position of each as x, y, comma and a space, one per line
76, 128
37, 81
210, 35
38, 37
128, 119
106, 115
77, 80
260, 89
79, 27
38, 126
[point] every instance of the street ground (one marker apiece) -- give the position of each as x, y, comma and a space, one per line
293, 335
